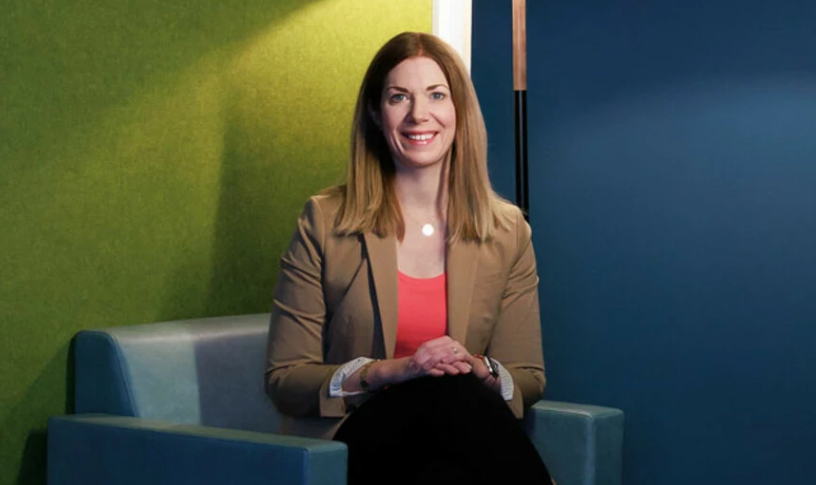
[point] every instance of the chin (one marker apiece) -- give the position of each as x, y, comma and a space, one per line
424, 163
421, 160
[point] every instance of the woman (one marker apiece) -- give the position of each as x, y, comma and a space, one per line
397, 284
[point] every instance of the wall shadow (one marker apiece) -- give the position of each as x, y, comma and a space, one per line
288, 115
251, 192
51, 394
34, 464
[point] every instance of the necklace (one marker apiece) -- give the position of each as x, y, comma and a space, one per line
427, 229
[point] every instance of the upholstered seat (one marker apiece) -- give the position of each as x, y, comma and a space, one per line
184, 402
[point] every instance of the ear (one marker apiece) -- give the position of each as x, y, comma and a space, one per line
375, 116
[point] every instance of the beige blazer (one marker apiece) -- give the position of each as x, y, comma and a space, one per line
336, 299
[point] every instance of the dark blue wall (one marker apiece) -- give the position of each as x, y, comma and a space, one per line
673, 205
492, 73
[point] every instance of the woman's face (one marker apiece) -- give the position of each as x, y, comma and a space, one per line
416, 115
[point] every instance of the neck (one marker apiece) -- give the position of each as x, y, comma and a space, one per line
423, 192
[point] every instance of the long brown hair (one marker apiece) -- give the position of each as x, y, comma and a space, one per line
369, 200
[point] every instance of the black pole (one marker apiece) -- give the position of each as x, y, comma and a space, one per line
522, 175
520, 104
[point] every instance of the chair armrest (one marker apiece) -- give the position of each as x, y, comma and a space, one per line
88, 448
581, 445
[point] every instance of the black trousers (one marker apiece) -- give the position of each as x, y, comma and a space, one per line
439, 430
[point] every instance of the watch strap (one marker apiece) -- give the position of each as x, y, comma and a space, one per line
364, 376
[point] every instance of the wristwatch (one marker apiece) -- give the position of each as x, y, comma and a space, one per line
364, 376
492, 366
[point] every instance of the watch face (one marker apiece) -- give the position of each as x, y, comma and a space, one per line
492, 367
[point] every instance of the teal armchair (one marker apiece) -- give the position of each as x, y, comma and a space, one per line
183, 402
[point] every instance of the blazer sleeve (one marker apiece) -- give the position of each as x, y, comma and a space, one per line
516, 339
297, 380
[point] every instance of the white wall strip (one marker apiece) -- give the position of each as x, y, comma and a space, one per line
452, 23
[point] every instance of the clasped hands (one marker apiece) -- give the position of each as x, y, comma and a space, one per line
434, 358
445, 356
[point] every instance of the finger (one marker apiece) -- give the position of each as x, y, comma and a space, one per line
449, 369
440, 350
464, 367
460, 368
427, 364
435, 372
456, 353
458, 357
426, 358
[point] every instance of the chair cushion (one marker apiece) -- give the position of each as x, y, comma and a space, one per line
206, 371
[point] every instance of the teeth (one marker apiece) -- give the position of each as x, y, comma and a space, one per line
423, 137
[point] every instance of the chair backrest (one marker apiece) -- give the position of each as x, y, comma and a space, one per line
207, 372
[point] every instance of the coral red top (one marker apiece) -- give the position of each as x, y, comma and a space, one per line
422, 312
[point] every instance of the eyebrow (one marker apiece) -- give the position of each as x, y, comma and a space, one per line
429, 88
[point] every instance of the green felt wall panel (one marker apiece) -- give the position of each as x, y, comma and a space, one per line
153, 159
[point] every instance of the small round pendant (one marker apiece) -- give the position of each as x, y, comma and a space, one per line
427, 230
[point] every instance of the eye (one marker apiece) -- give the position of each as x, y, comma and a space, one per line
438, 96
397, 98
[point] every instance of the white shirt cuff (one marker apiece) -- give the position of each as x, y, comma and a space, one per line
341, 374
506, 381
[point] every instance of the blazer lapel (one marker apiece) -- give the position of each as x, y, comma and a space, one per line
382, 259
462, 260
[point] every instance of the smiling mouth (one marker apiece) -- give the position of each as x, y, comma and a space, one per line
420, 138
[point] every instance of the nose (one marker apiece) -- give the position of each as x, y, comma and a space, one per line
419, 110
